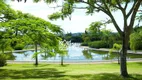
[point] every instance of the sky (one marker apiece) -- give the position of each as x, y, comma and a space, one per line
79, 19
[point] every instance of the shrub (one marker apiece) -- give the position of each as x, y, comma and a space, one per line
84, 44
98, 44
3, 59
19, 46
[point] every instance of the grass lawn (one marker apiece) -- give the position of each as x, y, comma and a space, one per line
109, 71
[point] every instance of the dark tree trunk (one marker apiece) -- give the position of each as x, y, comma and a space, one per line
36, 59
62, 58
123, 64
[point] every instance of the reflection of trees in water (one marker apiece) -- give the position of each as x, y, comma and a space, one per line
25, 53
44, 56
10, 56
109, 56
134, 55
104, 55
87, 54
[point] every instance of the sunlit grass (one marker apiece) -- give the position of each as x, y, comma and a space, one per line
94, 71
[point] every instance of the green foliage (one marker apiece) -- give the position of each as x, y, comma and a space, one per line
3, 58
84, 44
95, 27
73, 37
19, 46
98, 44
55, 16
76, 39
116, 47
98, 33
87, 54
5, 45
62, 49
35, 55
26, 29
136, 41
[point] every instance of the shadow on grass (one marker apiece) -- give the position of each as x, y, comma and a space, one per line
106, 76
140, 63
30, 73
65, 65
54, 74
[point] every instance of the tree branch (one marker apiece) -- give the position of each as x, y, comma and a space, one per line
73, 7
126, 5
129, 13
135, 10
124, 13
118, 3
113, 20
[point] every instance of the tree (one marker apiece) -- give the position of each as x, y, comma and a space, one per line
62, 50
33, 30
118, 48
37, 34
106, 6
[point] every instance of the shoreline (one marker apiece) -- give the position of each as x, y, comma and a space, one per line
73, 61
86, 48
107, 50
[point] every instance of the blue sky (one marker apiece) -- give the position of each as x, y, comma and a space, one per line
79, 20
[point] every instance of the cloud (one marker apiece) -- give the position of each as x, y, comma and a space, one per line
78, 23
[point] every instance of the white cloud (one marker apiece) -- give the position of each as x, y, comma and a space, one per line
78, 22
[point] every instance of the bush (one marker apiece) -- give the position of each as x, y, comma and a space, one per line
19, 46
84, 44
98, 44
3, 59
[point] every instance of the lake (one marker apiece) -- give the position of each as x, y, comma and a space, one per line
75, 53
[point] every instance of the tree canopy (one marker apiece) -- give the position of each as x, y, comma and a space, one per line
23, 28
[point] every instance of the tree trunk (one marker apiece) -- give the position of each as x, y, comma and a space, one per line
123, 64
62, 58
36, 61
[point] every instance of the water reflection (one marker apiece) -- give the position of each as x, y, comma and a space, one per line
87, 54
75, 53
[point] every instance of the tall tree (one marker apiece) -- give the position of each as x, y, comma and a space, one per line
36, 31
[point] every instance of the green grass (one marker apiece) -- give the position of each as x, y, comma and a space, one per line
109, 71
